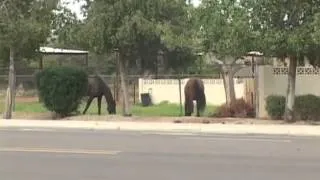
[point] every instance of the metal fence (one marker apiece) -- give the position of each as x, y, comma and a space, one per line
26, 86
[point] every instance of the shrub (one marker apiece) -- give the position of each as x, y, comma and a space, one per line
61, 89
275, 106
307, 107
239, 109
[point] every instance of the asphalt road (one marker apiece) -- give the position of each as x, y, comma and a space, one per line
40, 154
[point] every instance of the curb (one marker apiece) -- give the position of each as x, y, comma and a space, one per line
271, 129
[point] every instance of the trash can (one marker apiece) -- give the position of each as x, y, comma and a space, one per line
145, 99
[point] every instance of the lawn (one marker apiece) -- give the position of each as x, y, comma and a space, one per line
162, 109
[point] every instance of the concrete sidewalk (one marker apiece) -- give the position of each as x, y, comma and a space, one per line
298, 130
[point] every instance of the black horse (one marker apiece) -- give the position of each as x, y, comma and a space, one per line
194, 90
96, 89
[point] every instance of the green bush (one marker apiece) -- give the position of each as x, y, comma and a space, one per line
61, 89
307, 107
275, 106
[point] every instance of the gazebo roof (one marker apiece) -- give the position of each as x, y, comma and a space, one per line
59, 51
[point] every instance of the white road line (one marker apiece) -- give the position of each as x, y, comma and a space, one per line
237, 139
217, 137
37, 129
53, 150
168, 133
29, 129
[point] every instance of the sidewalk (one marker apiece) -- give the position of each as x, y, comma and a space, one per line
272, 129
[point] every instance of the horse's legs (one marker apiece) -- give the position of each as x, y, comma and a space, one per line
188, 107
186, 112
88, 104
198, 109
99, 104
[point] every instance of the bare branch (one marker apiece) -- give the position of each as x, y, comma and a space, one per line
236, 59
237, 68
219, 62
215, 60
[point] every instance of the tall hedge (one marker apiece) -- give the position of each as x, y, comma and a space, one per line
61, 89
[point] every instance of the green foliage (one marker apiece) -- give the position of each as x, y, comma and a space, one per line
226, 37
285, 27
67, 30
62, 88
316, 29
4, 56
24, 25
275, 106
225, 28
164, 109
139, 29
307, 107
181, 58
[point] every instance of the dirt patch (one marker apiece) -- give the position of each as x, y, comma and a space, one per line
22, 99
33, 116
26, 99
199, 120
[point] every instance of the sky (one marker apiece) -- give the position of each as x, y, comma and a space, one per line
76, 7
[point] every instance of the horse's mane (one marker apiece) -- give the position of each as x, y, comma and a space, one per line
106, 89
100, 79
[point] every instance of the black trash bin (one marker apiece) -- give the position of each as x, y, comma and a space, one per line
145, 99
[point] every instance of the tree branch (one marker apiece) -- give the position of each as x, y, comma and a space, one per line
236, 59
4, 8
235, 69
215, 60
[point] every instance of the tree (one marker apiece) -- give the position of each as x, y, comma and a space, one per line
227, 35
316, 28
67, 29
130, 25
314, 51
23, 25
286, 31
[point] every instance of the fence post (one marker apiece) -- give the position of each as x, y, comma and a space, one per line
134, 91
115, 88
179, 81
256, 86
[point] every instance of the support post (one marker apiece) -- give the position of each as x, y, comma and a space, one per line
257, 89
87, 61
134, 92
180, 98
41, 62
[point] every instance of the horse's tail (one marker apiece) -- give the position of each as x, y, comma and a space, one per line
201, 95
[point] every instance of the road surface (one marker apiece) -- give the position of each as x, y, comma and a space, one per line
56, 154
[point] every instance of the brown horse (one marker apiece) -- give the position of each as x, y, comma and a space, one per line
96, 89
194, 90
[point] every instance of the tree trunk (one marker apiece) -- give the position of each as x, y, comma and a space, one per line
228, 82
125, 96
9, 103
291, 89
